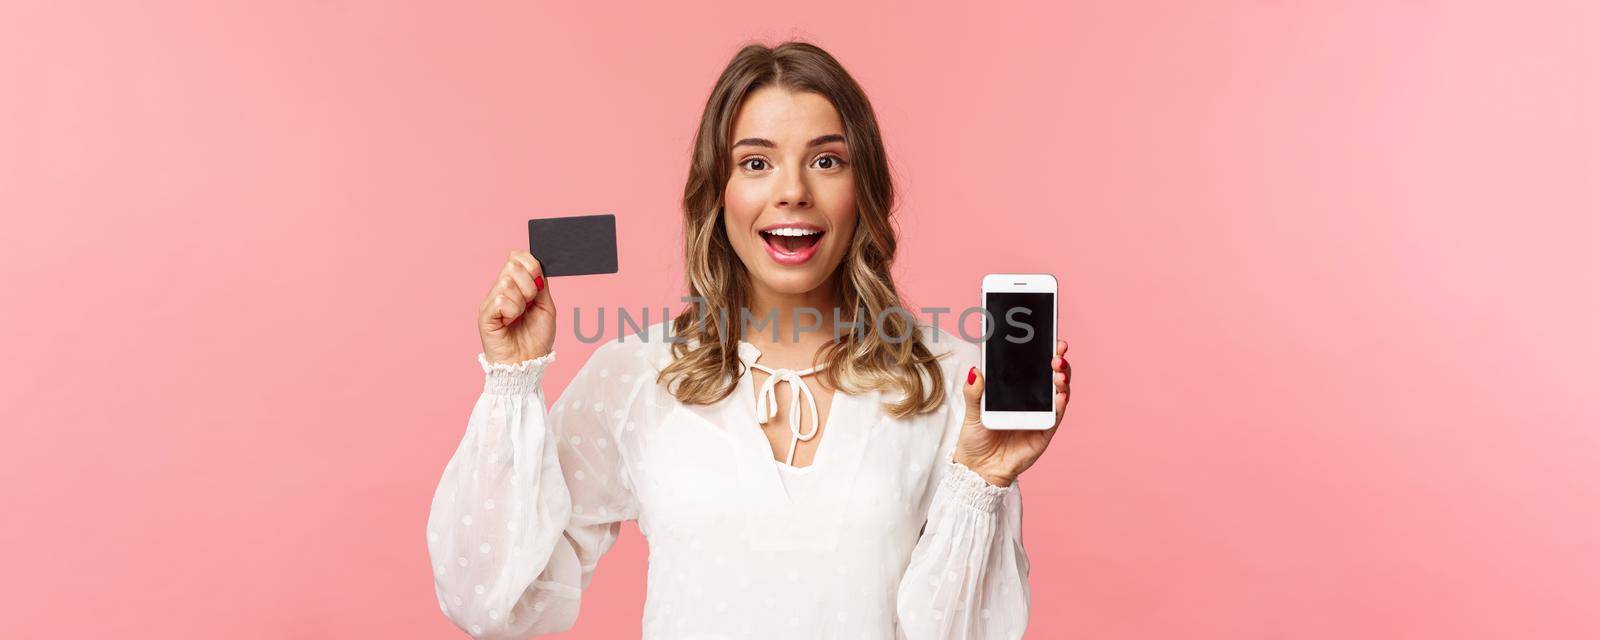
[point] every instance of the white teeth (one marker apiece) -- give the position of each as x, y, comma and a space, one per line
792, 232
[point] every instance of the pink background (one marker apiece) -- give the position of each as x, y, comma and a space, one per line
1325, 288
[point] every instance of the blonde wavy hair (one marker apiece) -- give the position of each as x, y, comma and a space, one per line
705, 363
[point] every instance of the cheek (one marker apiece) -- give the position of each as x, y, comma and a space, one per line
742, 204
840, 207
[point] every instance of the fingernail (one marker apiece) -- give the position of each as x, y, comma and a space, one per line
538, 283
972, 374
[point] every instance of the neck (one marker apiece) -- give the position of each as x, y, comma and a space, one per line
791, 312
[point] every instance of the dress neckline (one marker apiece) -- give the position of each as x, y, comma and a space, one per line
766, 406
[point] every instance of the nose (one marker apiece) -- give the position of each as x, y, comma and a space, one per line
794, 192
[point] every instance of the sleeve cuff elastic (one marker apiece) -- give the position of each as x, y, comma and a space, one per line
966, 487
514, 379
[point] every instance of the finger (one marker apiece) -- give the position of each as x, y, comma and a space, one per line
505, 283
534, 266
518, 271
524, 284
535, 271
503, 311
507, 286
1060, 380
1057, 362
1066, 368
525, 271
1061, 347
500, 289
974, 395
1061, 407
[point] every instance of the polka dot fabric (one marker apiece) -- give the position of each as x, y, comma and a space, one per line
882, 536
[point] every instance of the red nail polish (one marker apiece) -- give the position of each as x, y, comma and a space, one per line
538, 283
972, 374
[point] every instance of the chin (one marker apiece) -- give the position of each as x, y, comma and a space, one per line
791, 283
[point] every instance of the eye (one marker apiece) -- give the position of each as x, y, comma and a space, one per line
754, 164
829, 161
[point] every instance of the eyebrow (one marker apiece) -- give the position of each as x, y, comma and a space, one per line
763, 142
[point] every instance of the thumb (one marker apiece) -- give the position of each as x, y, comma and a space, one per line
542, 299
974, 393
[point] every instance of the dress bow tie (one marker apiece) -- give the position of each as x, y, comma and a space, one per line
767, 403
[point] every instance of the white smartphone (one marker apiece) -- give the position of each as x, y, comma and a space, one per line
1019, 337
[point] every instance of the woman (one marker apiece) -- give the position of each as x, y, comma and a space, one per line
873, 506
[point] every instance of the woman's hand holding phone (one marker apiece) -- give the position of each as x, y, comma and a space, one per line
517, 320
1001, 456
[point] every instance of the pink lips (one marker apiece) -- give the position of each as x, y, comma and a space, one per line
791, 258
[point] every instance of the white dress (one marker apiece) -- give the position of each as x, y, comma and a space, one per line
882, 536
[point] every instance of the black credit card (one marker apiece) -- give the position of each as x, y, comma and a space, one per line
574, 245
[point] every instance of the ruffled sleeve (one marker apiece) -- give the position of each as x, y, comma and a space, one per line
531, 499
968, 575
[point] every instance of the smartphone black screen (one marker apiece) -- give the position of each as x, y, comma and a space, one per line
1016, 364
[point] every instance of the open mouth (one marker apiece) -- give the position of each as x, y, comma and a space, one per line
791, 240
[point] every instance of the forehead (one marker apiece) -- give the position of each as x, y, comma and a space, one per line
785, 116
